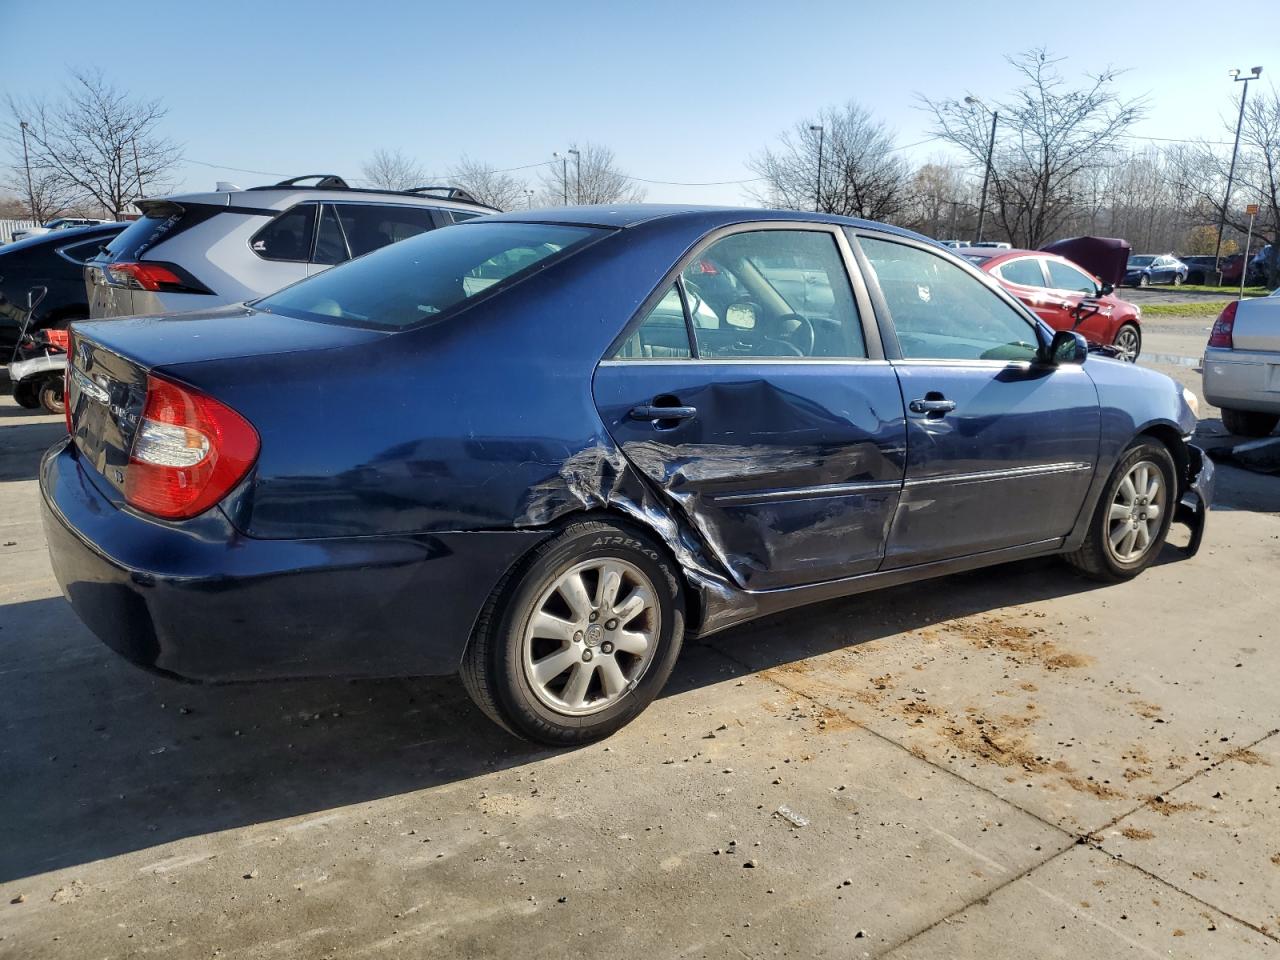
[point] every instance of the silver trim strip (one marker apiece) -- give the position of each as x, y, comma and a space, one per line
807, 493
1013, 473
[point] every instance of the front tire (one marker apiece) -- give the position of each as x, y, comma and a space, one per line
1128, 341
1249, 423
580, 638
1144, 281
27, 394
1131, 521
1177, 279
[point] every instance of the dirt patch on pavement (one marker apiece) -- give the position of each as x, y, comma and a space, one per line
1092, 787
1167, 808
1020, 643
1247, 756
1137, 833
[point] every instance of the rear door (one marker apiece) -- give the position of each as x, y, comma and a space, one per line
1025, 279
1000, 449
752, 392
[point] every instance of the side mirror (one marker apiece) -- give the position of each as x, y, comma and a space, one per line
1067, 346
1106, 289
741, 315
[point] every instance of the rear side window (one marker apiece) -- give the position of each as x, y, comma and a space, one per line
288, 237
459, 215
162, 222
661, 335
416, 281
369, 226
84, 250
1025, 272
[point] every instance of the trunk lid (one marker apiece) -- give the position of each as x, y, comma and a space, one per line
110, 360
1257, 325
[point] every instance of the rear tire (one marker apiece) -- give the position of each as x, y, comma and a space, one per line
1124, 538
579, 638
1144, 281
27, 395
1249, 423
51, 396
1177, 279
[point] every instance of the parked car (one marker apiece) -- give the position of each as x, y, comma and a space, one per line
201, 250
1065, 296
1146, 269
62, 223
54, 263
1202, 270
586, 460
1241, 363
992, 244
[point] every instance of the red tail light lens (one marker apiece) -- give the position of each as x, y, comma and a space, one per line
1224, 327
66, 389
150, 276
189, 452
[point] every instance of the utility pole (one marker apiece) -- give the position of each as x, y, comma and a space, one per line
564, 174
577, 168
26, 161
137, 168
986, 178
817, 187
1231, 172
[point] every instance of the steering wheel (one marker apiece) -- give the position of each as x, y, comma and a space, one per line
803, 337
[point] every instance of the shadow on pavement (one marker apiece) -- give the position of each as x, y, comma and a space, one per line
100, 758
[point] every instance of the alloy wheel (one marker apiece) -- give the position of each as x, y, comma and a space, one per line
1137, 511
1127, 344
592, 635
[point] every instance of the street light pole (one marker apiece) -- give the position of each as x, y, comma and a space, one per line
577, 169
986, 177
1231, 171
817, 188
528, 199
26, 162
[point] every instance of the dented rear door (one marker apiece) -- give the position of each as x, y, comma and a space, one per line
789, 471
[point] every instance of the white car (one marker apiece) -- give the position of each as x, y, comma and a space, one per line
1242, 366
202, 250
62, 223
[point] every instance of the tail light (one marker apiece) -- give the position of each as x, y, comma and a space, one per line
189, 452
1224, 327
152, 275
66, 388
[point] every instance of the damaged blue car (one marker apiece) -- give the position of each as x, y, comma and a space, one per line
541, 449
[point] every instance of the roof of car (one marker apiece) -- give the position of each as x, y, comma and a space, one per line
63, 237
993, 253
632, 214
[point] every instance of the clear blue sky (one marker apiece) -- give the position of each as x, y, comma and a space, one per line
680, 91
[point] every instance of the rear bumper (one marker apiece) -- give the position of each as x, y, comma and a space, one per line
1242, 380
200, 601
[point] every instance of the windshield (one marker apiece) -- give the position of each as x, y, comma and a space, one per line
1141, 261
420, 278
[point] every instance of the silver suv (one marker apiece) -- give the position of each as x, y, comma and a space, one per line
203, 250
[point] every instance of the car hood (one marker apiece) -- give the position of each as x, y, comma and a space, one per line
1104, 257
220, 334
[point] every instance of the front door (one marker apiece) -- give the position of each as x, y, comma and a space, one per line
1000, 449
747, 394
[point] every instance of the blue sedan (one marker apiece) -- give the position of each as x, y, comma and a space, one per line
540, 450
1144, 270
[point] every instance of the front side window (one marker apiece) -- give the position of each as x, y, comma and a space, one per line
1062, 276
288, 237
370, 226
1025, 272
773, 293
416, 281
661, 335
941, 312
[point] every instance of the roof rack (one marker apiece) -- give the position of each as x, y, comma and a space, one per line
331, 181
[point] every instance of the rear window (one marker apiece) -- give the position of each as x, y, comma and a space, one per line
161, 222
418, 279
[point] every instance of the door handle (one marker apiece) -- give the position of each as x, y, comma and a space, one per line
648, 411
932, 406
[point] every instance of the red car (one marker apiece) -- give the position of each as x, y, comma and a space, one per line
1053, 287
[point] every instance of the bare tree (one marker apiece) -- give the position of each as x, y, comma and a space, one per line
590, 176
940, 201
860, 174
499, 190
1202, 174
95, 143
47, 195
392, 170
1049, 134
